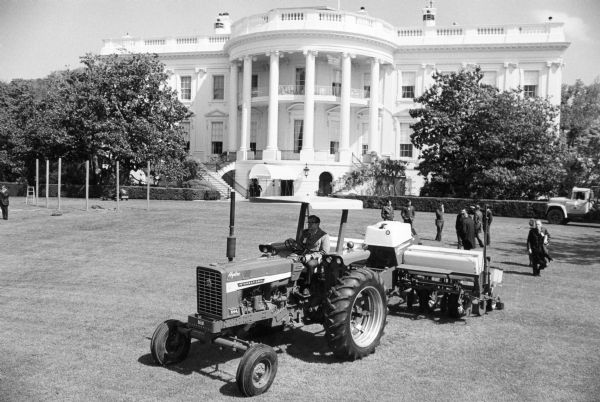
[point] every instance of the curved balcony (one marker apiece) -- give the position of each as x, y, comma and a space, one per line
316, 19
322, 93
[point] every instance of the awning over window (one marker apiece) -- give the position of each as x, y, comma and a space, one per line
274, 172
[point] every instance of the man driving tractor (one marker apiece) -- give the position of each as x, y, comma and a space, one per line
314, 240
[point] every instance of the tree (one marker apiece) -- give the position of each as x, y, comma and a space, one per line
383, 177
120, 108
580, 130
479, 142
115, 108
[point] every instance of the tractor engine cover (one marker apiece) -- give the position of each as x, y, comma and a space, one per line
219, 287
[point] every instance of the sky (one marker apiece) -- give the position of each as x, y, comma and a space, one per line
41, 36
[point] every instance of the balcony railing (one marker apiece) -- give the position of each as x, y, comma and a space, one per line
320, 90
315, 19
355, 23
164, 45
291, 90
255, 155
290, 155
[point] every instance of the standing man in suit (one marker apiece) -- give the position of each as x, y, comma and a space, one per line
489, 217
468, 231
459, 227
478, 220
387, 211
4, 202
439, 221
408, 216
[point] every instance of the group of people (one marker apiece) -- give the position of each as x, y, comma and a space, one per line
407, 214
470, 224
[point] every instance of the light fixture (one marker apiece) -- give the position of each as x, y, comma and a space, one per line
306, 170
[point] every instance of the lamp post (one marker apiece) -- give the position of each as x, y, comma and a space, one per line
306, 170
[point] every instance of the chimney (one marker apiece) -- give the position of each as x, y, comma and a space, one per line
223, 24
429, 15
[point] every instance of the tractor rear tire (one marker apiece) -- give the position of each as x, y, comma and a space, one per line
256, 370
556, 217
355, 314
168, 345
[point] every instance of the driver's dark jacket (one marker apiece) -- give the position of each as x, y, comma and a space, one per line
315, 244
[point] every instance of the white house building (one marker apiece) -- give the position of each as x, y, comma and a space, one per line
297, 97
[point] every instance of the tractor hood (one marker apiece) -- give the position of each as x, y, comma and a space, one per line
243, 274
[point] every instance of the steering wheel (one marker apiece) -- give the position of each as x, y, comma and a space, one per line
293, 245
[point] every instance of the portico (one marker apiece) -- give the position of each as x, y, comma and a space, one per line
347, 80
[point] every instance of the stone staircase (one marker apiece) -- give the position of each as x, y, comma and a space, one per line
214, 178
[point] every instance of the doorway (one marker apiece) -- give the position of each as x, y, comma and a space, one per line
325, 180
287, 187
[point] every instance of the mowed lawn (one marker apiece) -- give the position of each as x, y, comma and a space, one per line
81, 294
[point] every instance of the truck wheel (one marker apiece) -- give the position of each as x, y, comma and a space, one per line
168, 345
256, 370
555, 216
355, 314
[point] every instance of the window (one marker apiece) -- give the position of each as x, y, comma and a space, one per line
530, 91
336, 84
530, 84
254, 85
367, 84
489, 78
253, 132
406, 150
186, 134
218, 87
186, 87
365, 149
408, 85
216, 135
334, 147
298, 129
300, 80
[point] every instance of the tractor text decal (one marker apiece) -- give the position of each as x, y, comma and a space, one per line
246, 283
250, 283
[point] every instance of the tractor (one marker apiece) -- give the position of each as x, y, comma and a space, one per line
346, 291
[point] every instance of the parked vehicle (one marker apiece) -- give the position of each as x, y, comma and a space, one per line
581, 206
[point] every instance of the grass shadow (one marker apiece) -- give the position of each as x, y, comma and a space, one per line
201, 358
413, 313
576, 250
205, 359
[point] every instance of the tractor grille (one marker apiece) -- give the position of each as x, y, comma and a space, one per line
210, 292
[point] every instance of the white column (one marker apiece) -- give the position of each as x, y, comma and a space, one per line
307, 153
271, 152
246, 112
233, 112
374, 136
345, 153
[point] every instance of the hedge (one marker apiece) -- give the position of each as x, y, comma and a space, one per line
134, 192
510, 208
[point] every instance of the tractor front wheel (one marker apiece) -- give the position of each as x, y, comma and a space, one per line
168, 345
256, 370
355, 314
